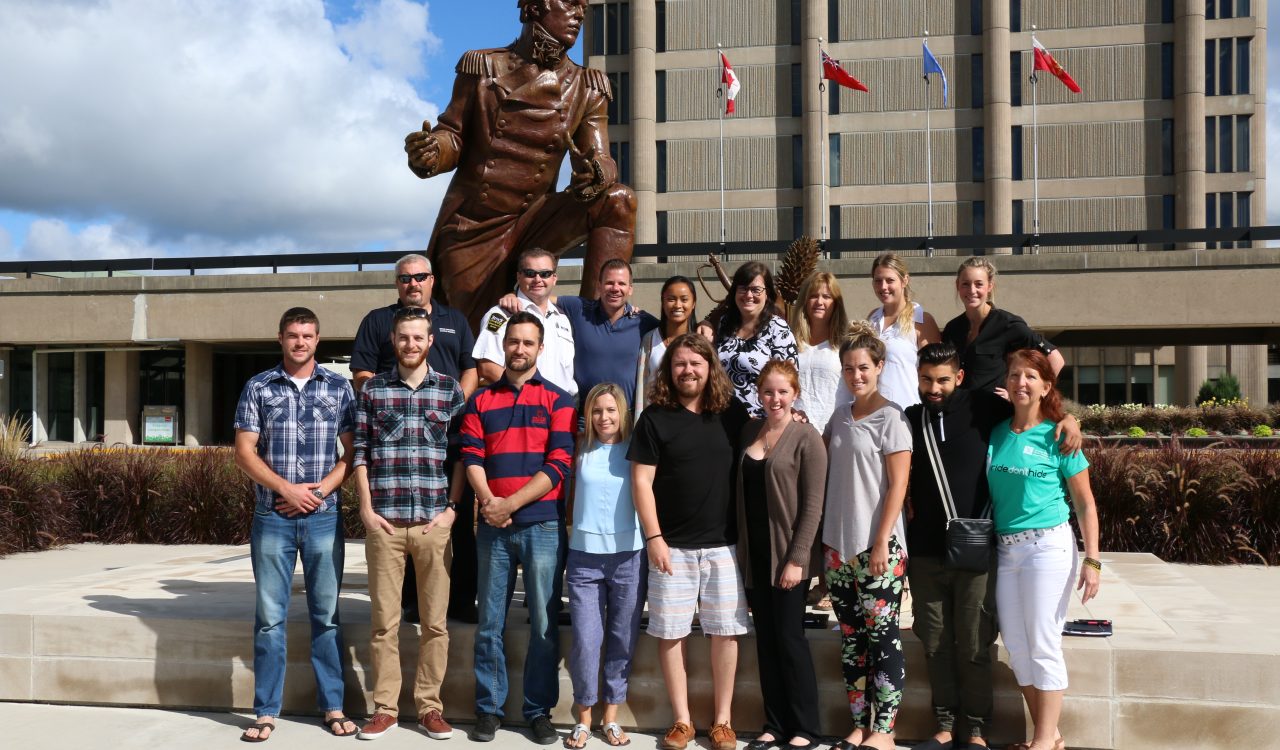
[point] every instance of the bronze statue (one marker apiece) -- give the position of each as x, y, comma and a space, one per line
514, 113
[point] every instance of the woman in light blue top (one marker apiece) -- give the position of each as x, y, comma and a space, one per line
1037, 556
605, 570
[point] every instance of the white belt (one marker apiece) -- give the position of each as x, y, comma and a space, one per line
1025, 536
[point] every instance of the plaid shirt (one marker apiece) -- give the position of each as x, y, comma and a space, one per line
297, 429
402, 437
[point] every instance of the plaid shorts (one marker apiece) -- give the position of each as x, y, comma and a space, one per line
705, 580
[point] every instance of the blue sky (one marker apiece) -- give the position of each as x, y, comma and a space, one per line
144, 127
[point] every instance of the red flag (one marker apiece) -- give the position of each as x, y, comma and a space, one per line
1045, 61
833, 71
730, 80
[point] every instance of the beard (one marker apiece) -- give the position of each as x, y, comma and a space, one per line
411, 361
936, 407
522, 364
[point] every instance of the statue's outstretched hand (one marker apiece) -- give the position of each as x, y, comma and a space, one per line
588, 184
424, 151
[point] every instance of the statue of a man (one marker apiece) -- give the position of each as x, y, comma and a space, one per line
515, 112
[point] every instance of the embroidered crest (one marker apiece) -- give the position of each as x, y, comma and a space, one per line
495, 322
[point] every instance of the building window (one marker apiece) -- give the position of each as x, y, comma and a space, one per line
660, 92
979, 149
1166, 147
620, 104
797, 221
660, 156
1211, 9
611, 28
797, 91
834, 162
1223, 210
621, 153
833, 21
1225, 151
1015, 15
1242, 65
1210, 145
833, 229
1166, 70
975, 17
1226, 66
660, 23
1242, 143
833, 104
797, 161
1015, 152
1019, 224
1168, 217
1015, 78
795, 22
975, 78
1166, 11
979, 216
662, 227
1226, 9
597, 29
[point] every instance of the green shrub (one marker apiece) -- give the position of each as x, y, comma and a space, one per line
1197, 432
1136, 432
1262, 430
1224, 388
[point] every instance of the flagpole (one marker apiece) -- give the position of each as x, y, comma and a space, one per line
721, 106
826, 151
928, 153
1035, 157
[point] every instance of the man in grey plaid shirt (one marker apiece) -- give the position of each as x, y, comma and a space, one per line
402, 422
289, 422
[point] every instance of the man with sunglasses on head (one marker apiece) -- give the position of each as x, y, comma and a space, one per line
535, 282
450, 354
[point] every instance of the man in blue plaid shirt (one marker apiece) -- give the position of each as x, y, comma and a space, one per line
289, 423
401, 438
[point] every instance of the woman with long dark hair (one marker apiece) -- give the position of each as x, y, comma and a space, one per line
679, 299
751, 333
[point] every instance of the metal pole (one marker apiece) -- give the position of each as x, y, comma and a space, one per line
720, 106
928, 153
826, 151
1035, 160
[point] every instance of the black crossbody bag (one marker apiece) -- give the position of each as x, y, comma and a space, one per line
969, 540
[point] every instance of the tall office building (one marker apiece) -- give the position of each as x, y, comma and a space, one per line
1168, 132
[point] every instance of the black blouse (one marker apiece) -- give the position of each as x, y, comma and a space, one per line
1001, 333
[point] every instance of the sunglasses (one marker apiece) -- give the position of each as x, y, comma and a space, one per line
405, 278
529, 273
406, 313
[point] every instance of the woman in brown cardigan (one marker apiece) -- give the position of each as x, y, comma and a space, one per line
782, 474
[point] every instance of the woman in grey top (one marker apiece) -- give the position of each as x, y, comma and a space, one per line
869, 445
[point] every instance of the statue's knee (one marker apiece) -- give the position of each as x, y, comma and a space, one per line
619, 203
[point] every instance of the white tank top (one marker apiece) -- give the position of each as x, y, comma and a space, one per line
899, 381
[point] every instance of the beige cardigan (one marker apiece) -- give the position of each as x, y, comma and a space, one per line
795, 489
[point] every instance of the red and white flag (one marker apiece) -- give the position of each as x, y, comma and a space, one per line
730, 81
832, 70
1045, 61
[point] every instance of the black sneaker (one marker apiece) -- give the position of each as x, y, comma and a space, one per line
486, 728
543, 732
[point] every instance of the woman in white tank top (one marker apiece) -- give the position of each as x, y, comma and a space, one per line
903, 326
819, 322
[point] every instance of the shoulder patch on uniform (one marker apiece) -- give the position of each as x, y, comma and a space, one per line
495, 321
598, 80
475, 63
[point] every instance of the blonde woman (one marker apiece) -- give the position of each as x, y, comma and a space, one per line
985, 334
818, 323
903, 326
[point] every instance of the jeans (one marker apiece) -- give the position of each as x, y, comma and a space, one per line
275, 545
606, 599
540, 549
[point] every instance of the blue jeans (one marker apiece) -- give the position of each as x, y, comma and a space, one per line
275, 544
540, 549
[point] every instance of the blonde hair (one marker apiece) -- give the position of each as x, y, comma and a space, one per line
906, 316
839, 316
589, 438
862, 336
977, 261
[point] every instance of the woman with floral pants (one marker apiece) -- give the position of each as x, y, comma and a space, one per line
869, 449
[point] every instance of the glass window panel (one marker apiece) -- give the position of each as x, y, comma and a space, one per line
624, 35
975, 79
1225, 150
1243, 61
795, 22
1226, 204
611, 28
979, 217
1224, 9
1166, 146
1224, 66
660, 17
1166, 70
1015, 15
1015, 78
597, 29
1242, 143
834, 162
979, 155
1210, 146
660, 154
1115, 385
1166, 11
833, 21
661, 94
797, 91
975, 17
1018, 223
1210, 60
1210, 9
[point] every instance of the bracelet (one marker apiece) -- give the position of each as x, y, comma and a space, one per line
1092, 563
651, 538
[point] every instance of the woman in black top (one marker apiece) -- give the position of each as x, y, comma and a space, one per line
984, 333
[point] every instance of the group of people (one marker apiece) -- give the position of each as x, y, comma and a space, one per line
704, 471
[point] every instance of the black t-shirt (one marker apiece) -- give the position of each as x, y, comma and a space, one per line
450, 350
982, 360
963, 433
693, 482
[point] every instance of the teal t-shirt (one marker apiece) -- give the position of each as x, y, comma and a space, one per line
1027, 475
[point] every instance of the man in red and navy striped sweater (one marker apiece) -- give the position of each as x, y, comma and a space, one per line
517, 446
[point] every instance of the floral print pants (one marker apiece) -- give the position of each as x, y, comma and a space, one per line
870, 641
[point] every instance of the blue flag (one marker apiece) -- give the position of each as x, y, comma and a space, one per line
931, 66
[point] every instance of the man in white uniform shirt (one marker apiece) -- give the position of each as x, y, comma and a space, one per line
535, 280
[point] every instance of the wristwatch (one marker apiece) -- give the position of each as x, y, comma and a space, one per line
451, 505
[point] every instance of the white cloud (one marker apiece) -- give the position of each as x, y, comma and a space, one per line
216, 124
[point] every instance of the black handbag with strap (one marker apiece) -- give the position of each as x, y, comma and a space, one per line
970, 541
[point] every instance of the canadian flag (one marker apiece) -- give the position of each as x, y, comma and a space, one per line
730, 81
1045, 61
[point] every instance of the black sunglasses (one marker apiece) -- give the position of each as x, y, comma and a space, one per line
405, 313
529, 273
405, 278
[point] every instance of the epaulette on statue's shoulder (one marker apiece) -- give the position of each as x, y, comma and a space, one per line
597, 80
476, 62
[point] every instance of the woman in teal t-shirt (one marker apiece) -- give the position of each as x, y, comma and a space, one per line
1036, 553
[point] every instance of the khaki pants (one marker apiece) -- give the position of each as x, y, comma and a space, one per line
432, 554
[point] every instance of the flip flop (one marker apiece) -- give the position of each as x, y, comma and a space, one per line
579, 731
270, 726
339, 721
613, 733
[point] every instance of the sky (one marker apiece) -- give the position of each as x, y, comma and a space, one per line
139, 128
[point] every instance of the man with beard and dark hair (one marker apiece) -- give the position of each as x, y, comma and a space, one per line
517, 445
954, 610
515, 112
401, 442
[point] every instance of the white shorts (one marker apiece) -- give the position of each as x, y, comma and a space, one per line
705, 580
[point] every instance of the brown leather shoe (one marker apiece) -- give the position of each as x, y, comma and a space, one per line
678, 737
435, 725
377, 726
723, 737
